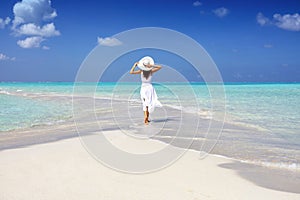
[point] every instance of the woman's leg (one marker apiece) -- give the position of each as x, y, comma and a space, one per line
146, 115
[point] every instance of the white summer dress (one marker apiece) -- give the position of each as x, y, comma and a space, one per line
148, 94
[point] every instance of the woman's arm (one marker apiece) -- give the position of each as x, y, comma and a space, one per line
156, 68
133, 67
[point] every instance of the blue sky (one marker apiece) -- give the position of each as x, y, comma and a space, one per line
256, 41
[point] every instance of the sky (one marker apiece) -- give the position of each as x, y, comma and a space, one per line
47, 40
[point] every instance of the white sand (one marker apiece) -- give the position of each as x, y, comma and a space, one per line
65, 170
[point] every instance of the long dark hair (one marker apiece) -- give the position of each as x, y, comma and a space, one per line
146, 74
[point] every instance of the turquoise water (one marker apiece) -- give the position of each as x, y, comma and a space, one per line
272, 112
19, 112
22, 106
273, 107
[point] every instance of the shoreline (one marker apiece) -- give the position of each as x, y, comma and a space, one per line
22, 138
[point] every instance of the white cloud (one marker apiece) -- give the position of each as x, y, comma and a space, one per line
31, 42
108, 41
7, 20
4, 22
268, 46
287, 22
45, 47
47, 30
221, 12
33, 11
261, 19
5, 57
32, 18
197, 3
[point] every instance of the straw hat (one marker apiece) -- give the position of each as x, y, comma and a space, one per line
144, 62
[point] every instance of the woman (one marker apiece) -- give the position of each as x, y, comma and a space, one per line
148, 94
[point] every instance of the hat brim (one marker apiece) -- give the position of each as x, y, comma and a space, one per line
141, 63
145, 68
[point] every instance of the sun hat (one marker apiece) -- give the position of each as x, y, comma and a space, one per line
146, 61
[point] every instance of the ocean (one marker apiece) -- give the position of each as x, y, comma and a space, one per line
269, 111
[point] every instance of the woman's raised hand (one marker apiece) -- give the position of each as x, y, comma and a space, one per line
133, 67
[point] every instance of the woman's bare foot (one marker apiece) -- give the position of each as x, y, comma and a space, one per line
146, 121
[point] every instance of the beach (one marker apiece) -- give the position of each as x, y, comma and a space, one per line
65, 170
63, 160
